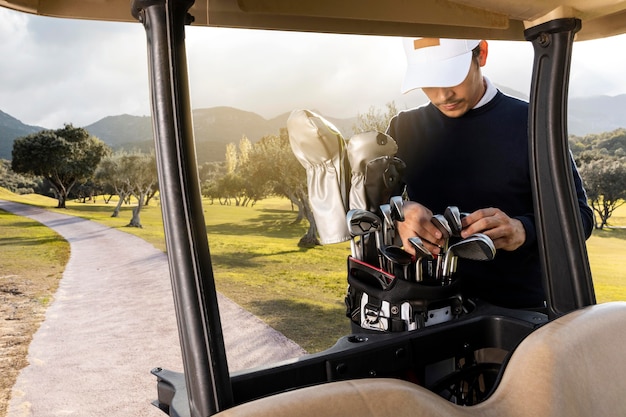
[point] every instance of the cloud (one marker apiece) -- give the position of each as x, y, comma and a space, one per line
57, 71
67, 71
273, 72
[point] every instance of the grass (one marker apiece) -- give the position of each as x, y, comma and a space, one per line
31, 250
31, 265
256, 263
300, 292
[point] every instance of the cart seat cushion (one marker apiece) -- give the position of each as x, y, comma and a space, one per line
571, 367
362, 398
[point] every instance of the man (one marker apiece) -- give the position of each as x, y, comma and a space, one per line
468, 148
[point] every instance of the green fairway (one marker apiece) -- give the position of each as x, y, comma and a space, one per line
256, 263
300, 292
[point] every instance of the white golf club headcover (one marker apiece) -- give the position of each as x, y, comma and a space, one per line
320, 148
363, 148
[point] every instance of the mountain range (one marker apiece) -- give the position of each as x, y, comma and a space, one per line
215, 127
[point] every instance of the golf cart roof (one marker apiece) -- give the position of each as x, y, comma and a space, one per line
488, 19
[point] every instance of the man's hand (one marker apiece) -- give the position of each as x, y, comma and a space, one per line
417, 222
507, 233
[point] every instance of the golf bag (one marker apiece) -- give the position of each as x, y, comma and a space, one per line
378, 301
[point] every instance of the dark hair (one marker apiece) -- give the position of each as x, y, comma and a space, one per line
476, 54
476, 51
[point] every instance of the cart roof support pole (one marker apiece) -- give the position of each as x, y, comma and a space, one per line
195, 298
567, 275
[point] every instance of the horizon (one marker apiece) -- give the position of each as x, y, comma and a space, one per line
271, 117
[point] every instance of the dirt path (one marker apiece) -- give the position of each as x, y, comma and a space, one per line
112, 321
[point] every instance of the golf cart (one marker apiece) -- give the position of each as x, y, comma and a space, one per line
565, 360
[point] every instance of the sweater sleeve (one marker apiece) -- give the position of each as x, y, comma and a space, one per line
586, 214
528, 221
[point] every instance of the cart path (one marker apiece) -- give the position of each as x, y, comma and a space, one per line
112, 320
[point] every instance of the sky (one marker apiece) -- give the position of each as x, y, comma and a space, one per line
55, 71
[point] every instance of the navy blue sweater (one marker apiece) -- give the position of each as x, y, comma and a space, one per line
477, 161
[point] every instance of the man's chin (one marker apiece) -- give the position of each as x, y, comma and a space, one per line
453, 111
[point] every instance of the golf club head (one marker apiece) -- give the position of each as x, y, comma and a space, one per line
397, 261
420, 250
361, 222
385, 210
453, 216
422, 254
443, 225
397, 208
388, 226
477, 247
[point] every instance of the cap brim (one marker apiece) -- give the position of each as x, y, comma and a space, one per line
447, 73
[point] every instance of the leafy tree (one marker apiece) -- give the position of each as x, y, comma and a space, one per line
111, 176
236, 184
141, 175
210, 173
65, 157
17, 183
87, 191
375, 119
129, 174
605, 182
609, 143
273, 168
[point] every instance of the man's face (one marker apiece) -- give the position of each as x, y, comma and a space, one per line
458, 100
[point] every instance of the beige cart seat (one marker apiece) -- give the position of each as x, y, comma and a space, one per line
573, 366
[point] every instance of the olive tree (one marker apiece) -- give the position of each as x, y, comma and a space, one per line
605, 182
129, 174
65, 157
110, 175
273, 168
375, 119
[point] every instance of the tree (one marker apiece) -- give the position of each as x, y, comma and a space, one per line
111, 176
210, 173
375, 119
129, 174
605, 182
141, 175
17, 183
273, 168
65, 157
236, 184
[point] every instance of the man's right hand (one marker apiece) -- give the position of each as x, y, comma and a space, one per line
417, 222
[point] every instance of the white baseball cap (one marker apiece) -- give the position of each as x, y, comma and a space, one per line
434, 62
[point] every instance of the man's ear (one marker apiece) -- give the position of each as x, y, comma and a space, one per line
484, 50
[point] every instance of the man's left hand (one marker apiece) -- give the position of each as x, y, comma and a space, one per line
507, 233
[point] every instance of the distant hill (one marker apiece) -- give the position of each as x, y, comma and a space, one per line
215, 127
123, 131
596, 114
10, 129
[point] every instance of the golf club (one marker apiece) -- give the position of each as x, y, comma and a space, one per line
388, 225
442, 224
421, 254
453, 216
397, 208
396, 205
362, 223
397, 260
477, 247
